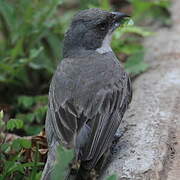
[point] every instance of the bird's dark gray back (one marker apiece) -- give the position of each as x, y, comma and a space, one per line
81, 78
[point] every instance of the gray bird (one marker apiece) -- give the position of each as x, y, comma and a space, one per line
89, 92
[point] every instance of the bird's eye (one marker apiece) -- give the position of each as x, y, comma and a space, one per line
102, 26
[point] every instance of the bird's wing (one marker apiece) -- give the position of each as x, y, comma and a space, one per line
113, 102
63, 121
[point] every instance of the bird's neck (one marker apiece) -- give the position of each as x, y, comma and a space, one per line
77, 52
80, 51
106, 45
74, 46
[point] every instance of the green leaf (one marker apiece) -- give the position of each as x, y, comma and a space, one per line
26, 101
112, 177
1, 114
105, 4
2, 78
40, 113
42, 99
11, 166
38, 175
22, 143
135, 29
131, 48
2, 123
31, 164
18, 49
7, 12
135, 64
7, 68
16, 145
14, 124
25, 143
5, 147
64, 157
33, 130
29, 117
35, 52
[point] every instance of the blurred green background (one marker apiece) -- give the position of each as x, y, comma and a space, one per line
31, 40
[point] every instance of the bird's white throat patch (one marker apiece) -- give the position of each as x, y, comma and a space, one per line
106, 44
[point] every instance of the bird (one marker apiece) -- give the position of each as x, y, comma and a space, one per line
89, 92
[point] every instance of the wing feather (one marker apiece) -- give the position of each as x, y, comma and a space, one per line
106, 121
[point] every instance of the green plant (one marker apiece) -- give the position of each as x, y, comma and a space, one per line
131, 46
151, 9
112, 177
29, 116
9, 125
32, 111
31, 36
1, 119
64, 158
12, 161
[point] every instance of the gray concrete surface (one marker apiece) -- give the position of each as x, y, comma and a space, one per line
150, 148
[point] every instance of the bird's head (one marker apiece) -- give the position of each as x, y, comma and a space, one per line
91, 30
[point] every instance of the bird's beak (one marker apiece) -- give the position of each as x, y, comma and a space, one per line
118, 15
118, 18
